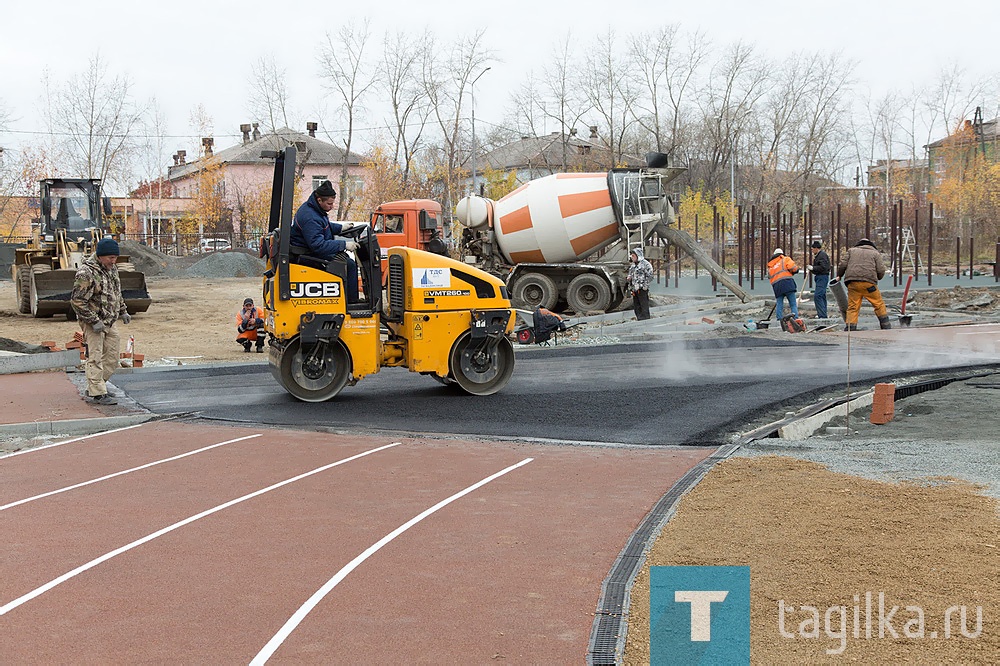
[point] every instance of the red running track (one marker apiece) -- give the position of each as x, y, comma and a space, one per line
512, 570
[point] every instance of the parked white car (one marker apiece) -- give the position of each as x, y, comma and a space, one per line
214, 245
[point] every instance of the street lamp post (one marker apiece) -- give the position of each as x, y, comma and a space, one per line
473, 90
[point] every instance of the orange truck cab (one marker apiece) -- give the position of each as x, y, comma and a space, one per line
412, 223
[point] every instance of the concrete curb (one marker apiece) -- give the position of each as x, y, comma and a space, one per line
804, 428
12, 365
72, 426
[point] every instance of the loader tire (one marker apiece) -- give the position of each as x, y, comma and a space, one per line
534, 290
22, 288
588, 292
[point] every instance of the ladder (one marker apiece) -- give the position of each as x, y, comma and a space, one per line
906, 247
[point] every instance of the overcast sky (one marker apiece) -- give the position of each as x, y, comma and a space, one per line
189, 52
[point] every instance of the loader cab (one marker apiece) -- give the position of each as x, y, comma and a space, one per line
74, 206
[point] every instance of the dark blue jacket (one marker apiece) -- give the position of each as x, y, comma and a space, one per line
312, 229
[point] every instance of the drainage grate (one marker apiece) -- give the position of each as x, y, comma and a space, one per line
607, 636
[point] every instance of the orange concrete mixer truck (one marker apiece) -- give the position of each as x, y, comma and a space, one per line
546, 237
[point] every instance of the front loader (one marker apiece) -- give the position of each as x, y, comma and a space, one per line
67, 230
442, 318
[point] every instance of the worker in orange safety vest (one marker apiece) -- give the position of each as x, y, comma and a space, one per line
250, 326
781, 270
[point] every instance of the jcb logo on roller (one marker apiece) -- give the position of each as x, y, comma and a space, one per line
315, 289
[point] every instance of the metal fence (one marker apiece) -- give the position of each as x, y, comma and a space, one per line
182, 245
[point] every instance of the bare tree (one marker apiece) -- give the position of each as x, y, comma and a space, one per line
612, 93
268, 101
951, 99
96, 114
346, 70
669, 69
152, 160
736, 84
446, 78
400, 74
566, 100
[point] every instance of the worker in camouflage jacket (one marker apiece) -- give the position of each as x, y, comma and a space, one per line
98, 304
640, 274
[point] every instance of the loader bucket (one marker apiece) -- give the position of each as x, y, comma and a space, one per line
50, 291
134, 291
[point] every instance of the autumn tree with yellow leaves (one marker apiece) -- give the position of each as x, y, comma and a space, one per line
211, 214
967, 192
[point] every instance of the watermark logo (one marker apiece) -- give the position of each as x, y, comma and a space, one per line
873, 616
699, 615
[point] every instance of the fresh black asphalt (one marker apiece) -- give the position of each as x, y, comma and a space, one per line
695, 392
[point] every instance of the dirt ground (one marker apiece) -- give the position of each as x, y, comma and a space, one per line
816, 538
190, 318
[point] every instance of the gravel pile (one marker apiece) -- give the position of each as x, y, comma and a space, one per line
150, 261
230, 264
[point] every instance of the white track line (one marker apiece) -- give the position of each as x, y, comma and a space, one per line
304, 609
70, 441
127, 471
8, 607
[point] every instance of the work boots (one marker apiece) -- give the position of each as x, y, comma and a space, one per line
884, 323
246, 345
851, 327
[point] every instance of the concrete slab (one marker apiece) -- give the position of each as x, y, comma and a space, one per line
18, 363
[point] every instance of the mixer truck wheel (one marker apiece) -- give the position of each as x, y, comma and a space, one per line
22, 288
477, 368
588, 292
533, 290
315, 372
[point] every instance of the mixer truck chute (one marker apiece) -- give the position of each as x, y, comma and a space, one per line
70, 224
565, 238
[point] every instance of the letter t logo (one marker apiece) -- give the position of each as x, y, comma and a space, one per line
701, 610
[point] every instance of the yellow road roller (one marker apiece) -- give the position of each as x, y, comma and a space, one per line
438, 317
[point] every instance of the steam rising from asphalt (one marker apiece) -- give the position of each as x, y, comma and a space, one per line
826, 360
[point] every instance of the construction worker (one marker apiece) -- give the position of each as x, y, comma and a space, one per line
313, 234
820, 269
250, 326
861, 267
98, 304
781, 270
640, 274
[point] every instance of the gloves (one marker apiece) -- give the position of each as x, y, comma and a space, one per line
99, 327
127, 318
807, 268
350, 245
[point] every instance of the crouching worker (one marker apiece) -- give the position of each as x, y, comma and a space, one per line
250, 326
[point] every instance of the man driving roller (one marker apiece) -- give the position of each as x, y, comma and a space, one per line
313, 231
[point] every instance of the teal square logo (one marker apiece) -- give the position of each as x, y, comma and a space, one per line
699, 615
